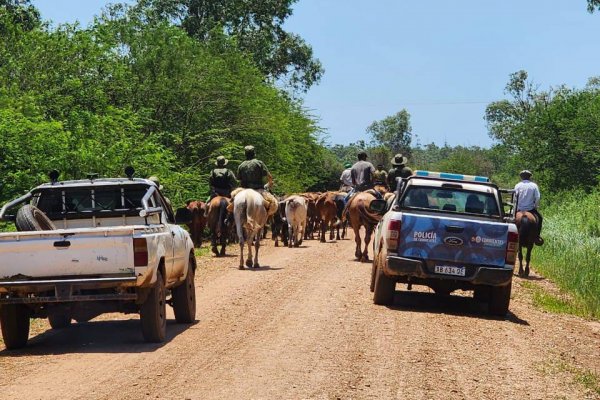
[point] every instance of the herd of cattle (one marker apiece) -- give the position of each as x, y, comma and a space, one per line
299, 217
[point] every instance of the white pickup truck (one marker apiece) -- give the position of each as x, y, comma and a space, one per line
448, 232
87, 247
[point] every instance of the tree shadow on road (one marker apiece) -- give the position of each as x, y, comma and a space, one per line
453, 305
124, 336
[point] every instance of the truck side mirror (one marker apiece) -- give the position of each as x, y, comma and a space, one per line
378, 206
183, 216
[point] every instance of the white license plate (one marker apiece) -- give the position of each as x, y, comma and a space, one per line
450, 270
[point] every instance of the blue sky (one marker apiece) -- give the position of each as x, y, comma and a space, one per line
441, 60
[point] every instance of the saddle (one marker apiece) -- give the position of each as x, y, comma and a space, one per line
270, 202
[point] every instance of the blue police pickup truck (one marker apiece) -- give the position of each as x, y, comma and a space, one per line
447, 232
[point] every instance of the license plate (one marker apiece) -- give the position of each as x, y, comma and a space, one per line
450, 270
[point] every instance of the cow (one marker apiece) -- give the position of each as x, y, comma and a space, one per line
295, 214
198, 223
279, 226
327, 212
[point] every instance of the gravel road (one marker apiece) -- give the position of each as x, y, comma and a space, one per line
304, 326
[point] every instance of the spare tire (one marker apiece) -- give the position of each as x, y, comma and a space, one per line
31, 218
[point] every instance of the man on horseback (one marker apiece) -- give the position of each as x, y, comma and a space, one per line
252, 174
528, 197
222, 180
346, 178
380, 176
399, 170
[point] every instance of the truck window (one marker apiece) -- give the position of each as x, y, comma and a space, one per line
451, 201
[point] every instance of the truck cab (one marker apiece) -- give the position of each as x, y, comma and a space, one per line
447, 232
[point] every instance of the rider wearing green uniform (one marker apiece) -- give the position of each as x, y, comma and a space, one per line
399, 170
253, 173
222, 180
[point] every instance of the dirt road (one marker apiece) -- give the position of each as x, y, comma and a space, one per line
304, 326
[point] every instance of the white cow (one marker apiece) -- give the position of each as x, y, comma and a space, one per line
295, 213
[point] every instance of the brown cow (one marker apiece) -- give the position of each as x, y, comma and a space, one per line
312, 217
198, 221
327, 213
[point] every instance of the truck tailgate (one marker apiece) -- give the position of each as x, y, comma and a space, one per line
71, 252
455, 240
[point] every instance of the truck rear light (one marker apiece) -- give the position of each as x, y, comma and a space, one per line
393, 233
140, 252
512, 244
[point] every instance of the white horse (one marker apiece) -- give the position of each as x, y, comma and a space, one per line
250, 217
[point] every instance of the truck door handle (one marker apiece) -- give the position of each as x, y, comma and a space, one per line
61, 244
454, 228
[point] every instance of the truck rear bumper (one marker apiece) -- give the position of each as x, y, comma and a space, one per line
482, 275
66, 290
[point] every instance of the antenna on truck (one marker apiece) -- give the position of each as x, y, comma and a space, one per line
53, 175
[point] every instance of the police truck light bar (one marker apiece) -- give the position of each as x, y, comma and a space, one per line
457, 177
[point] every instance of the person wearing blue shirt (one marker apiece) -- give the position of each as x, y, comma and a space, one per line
528, 196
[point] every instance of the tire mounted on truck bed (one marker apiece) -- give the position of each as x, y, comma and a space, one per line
184, 296
14, 319
153, 313
31, 218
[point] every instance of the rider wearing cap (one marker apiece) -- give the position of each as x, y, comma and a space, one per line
399, 170
528, 197
252, 174
222, 180
346, 178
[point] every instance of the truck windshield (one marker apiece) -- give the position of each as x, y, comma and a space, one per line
450, 200
99, 199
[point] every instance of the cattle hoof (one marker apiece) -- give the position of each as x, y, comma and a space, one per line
222, 252
249, 263
215, 251
276, 244
241, 267
526, 271
256, 265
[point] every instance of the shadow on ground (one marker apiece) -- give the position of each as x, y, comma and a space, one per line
453, 305
123, 336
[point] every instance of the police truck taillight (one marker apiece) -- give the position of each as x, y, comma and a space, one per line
140, 252
393, 233
512, 244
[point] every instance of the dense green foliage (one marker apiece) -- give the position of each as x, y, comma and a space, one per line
571, 254
256, 25
133, 91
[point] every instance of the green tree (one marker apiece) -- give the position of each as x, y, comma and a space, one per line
393, 132
593, 5
257, 27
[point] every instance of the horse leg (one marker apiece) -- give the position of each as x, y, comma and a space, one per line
357, 252
365, 254
223, 240
521, 261
251, 238
213, 242
527, 258
256, 247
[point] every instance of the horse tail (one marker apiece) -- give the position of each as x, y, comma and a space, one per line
366, 216
525, 228
222, 216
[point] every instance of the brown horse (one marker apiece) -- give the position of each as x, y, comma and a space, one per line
327, 213
198, 223
527, 224
217, 223
359, 214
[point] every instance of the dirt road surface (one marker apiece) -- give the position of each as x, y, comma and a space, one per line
304, 326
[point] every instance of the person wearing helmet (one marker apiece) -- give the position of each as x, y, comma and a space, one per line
528, 197
346, 178
222, 180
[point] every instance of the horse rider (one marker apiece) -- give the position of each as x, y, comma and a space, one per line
222, 180
380, 176
398, 170
346, 178
528, 197
362, 177
252, 174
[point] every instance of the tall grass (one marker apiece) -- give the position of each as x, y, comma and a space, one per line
571, 253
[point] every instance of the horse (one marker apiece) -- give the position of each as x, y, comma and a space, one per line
295, 214
528, 231
198, 223
250, 216
359, 215
327, 213
216, 220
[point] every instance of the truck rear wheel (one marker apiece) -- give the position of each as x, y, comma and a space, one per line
31, 218
184, 297
500, 300
385, 288
59, 321
14, 319
153, 313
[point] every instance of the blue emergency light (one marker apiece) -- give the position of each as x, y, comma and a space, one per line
457, 177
